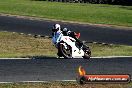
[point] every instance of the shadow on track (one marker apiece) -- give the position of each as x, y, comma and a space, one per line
48, 57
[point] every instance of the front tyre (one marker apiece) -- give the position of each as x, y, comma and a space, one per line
66, 50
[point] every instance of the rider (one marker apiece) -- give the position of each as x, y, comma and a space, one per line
56, 34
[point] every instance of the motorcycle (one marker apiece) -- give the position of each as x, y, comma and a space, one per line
68, 48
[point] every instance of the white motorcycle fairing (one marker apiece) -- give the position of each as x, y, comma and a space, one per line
76, 53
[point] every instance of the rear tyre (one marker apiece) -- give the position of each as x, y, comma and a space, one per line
87, 52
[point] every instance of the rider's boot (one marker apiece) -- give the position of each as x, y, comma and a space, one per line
80, 46
59, 55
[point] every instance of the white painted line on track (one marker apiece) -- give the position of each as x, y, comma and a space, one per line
5, 82
14, 58
41, 81
91, 57
22, 33
29, 34
66, 80
4, 31
112, 57
39, 35
26, 82
13, 32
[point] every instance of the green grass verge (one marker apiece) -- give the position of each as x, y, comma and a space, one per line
63, 85
91, 13
16, 45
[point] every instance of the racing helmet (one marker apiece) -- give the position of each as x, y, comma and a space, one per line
56, 27
65, 30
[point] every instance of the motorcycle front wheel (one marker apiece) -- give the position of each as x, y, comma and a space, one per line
66, 52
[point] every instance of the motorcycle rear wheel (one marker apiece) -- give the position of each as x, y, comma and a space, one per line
87, 52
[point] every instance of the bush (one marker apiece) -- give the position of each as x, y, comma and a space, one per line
38, 0
121, 2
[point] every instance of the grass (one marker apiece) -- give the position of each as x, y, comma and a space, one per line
63, 85
89, 13
16, 45
110, 50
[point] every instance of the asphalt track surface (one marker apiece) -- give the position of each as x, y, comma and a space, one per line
51, 69
88, 32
